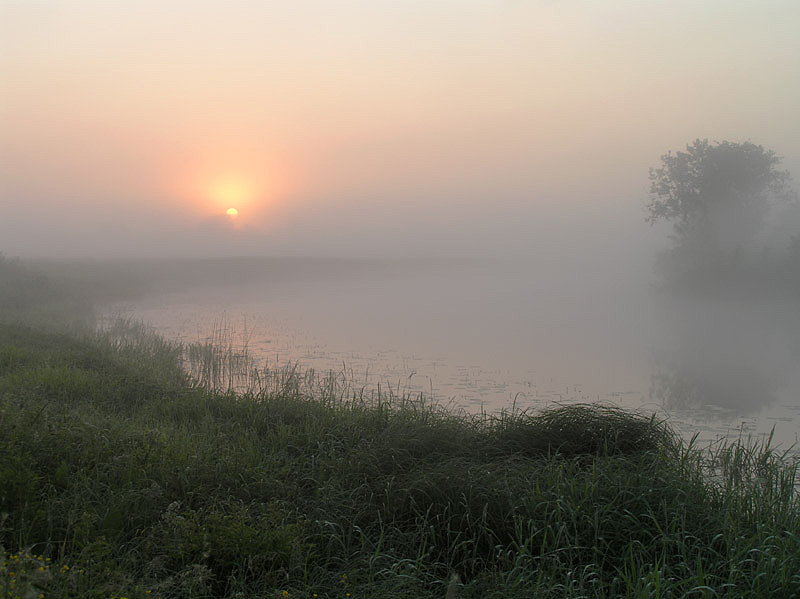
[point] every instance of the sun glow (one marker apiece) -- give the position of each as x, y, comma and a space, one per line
230, 196
232, 192
240, 191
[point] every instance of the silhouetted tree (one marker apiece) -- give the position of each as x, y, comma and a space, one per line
716, 195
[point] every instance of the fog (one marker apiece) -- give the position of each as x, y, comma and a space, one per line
459, 191
363, 128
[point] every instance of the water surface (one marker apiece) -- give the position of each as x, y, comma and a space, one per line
494, 335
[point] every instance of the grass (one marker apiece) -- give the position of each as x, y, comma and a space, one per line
122, 476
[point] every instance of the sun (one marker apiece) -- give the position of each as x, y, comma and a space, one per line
234, 198
238, 188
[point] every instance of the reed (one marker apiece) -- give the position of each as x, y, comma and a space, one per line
222, 361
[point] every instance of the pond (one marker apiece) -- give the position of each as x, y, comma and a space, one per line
491, 335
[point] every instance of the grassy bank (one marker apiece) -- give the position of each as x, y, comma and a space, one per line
119, 477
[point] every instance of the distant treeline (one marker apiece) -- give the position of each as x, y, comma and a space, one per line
769, 275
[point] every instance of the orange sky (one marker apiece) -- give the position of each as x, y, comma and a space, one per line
334, 127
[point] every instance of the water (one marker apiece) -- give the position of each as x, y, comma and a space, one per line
491, 336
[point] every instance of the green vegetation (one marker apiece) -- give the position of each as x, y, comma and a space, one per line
120, 476
717, 197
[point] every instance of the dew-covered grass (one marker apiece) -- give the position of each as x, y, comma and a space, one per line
123, 476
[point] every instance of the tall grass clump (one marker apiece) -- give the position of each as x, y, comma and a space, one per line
121, 476
222, 361
583, 430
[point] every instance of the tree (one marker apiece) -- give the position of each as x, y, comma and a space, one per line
716, 195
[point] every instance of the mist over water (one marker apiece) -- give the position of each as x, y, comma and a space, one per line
508, 334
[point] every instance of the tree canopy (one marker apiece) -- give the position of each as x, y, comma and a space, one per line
716, 194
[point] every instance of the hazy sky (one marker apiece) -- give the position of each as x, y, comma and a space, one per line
369, 126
